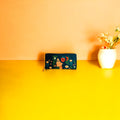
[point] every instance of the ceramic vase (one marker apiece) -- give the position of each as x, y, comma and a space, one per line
107, 58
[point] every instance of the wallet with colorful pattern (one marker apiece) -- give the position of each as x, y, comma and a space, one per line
60, 61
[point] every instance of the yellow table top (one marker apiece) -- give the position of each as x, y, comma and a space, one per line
29, 93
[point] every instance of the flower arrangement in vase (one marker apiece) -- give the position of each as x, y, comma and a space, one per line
107, 53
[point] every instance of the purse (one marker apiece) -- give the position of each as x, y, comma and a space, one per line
60, 61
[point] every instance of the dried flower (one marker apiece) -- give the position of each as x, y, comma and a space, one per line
108, 41
117, 29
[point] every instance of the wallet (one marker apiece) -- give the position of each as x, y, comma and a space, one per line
60, 61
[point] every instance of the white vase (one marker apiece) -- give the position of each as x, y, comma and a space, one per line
107, 58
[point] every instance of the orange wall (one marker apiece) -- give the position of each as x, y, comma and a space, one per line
29, 28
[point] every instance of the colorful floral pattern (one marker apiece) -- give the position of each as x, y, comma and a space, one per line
60, 61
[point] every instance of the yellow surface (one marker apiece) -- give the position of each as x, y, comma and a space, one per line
29, 93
